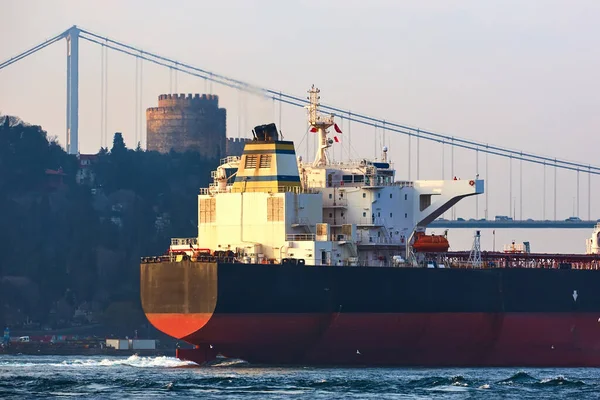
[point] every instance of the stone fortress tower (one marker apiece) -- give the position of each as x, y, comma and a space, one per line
184, 123
189, 122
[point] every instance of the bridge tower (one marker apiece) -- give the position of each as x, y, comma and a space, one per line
72, 36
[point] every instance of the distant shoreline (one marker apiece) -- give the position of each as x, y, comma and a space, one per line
75, 351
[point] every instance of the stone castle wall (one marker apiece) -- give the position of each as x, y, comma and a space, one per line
235, 146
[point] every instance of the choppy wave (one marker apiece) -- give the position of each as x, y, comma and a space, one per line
132, 361
520, 377
142, 377
561, 381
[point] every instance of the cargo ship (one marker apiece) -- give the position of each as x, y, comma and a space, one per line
329, 263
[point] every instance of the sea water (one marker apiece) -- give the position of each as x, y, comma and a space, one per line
24, 377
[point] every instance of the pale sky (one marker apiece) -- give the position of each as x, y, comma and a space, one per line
521, 74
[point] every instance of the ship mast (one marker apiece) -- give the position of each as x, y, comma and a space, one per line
320, 123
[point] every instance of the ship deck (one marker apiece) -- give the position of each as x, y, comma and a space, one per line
497, 259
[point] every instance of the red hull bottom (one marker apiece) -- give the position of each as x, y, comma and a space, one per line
412, 339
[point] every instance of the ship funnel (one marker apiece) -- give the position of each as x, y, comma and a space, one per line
266, 133
268, 164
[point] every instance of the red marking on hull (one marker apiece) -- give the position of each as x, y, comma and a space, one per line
412, 339
178, 325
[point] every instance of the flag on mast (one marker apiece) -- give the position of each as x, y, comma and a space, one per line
337, 128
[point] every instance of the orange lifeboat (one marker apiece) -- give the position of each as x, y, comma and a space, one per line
430, 243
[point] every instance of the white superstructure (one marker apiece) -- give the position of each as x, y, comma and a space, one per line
593, 243
268, 206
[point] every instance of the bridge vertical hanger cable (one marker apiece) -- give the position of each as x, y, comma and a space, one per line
343, 141
175, 78
375, 144
443, 161
101, 96
521, 190
577, 193
510, 199
349, 131
245, 115
589, 196
443, 170
280, 104
418, 134
555, 169
141, 110
477, 177
409, 158
453, 210
307, 141
487, 185
273, 108
137, 106
239, 113
544, 196
106, 139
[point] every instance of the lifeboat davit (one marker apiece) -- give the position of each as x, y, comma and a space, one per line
430, 243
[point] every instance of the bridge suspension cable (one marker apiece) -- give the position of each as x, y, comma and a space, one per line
32, 50
353, 117
302, 102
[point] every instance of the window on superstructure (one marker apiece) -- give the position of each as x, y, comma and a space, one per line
330, 196
274, 209
390, 215
364, 195
424, 201
208, 209
265, 161
390, 195
250, 161
364, 214
405, 197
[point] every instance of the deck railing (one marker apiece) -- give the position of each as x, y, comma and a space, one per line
184, 241
300, 237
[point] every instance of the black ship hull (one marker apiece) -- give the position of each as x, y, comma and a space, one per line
287, 314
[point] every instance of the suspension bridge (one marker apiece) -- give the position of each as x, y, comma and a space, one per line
382, 127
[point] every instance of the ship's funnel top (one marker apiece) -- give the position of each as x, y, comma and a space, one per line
266, 133
268, 164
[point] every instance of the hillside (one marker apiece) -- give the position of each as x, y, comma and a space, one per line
70, 247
